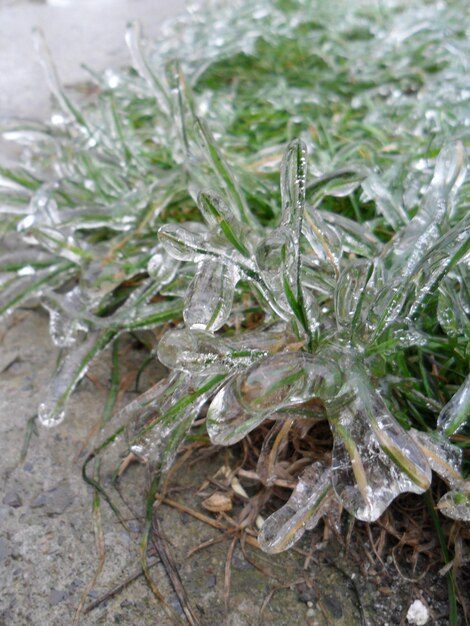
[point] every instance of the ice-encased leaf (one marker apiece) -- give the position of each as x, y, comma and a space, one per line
162, 417
72, 367
356, 238
374, 459
453, 306
67, 317
227, 180
404, 295
277, 264
456, 413
293, 181
444, 458
280, 381
142, 65
219, 215
311, 497
17, 289
210, 296
53, 80
456, 503
323, 238
393, 212
411, 244
350, 292
161, 266
195, 245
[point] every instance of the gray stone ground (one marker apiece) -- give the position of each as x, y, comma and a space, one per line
47, 550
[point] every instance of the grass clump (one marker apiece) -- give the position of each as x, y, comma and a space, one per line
334, 292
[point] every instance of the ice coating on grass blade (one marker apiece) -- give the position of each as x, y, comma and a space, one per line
273, 444
456, 413
308, 502
73, 366
453, 309
390, 208
350, 293
280, 381
141, 64
219, 215
210, 296
198, 351
162, 418
416, 239
227, 180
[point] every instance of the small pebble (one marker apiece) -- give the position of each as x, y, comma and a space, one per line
12, 499
417, 614
57, 596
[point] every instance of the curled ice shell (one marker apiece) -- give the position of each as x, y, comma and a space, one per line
456, 413
444, 458
374, 459
456, 503
210, 296
277, 382
310, 499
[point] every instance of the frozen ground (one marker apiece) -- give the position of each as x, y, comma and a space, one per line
47, 551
